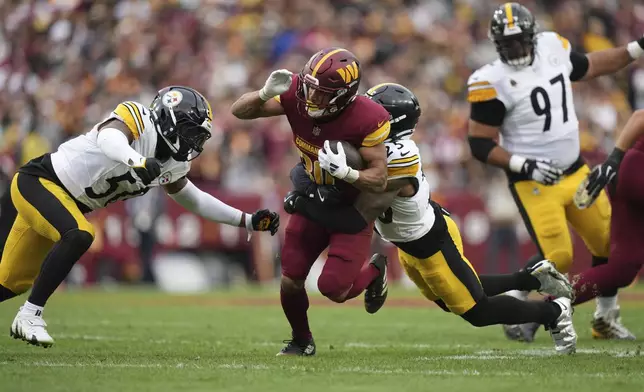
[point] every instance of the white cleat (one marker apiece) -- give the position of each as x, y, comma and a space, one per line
32, 329
552, 281
608, 325
562, 331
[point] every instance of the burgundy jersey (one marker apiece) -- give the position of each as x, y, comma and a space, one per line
363, 123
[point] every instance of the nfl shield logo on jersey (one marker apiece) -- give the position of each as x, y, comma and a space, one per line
172, 98
316, 130
165, 178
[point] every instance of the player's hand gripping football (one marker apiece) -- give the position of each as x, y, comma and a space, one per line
277, 84
601, 176
265, 220
336, 164
147, 170
540, 170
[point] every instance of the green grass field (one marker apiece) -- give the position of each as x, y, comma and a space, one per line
140, 340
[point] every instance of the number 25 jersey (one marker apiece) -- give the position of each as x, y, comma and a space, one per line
95, 180
540, 119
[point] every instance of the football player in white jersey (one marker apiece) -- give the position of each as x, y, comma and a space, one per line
429, 242
133, 149
526, 97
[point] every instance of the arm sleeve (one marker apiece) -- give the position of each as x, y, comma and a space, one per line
344, 219
579, 63
490, 112
114, 144
195, 200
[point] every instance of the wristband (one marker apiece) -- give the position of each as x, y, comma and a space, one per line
516, 163
263, 96
634, 50
352, 176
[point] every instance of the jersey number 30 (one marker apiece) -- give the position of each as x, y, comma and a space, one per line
545, 109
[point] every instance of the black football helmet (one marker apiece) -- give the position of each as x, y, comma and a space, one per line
402, 105
183, 119
513, 30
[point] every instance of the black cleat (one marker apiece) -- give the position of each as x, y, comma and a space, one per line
298, 348
376, 293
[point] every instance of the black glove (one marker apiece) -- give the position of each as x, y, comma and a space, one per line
604, 174
265, 220
148, 170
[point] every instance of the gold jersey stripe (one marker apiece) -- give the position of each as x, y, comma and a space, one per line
481, 95
129, 118
508, 14
407, 171
378, 136
137, 112
404, 160
478, 84
323, 59
564, 42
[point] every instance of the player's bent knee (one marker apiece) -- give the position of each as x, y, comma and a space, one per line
332, 287
79, 239
478, 315
291, 285
6, 293
561, 258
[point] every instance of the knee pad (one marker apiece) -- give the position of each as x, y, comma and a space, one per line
332, 287
79, 239
477, 315
289, 285
6, 294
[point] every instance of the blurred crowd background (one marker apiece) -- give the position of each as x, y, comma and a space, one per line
64, 64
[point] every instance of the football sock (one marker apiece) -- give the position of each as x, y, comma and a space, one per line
597, 261
368, 273
31, 309
504, 309
295, 305
58, 263
605, 304
5, 293
497, 284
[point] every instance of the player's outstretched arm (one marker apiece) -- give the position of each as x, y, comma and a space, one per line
209, 207
605, 62
264, 102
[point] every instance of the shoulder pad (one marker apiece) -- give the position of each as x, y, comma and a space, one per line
482, 84
403, 159
378, 126
134, 115
553, 40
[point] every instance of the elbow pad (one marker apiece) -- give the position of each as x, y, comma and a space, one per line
481, 147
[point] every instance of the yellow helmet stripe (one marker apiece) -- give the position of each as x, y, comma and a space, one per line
508, 14
377, 86
324, 58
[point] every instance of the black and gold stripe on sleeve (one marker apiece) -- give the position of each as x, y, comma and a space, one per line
131, 115
403, 167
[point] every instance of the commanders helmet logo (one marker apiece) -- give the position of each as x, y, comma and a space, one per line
172, 98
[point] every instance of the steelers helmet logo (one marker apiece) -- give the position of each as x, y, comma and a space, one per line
172, 98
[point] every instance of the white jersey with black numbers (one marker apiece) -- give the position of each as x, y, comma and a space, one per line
96, 180
408, 218
540, 119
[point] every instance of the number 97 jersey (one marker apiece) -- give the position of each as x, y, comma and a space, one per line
408, 218
539, 119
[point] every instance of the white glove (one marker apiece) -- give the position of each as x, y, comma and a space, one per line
277, 84
336, 164
540, 170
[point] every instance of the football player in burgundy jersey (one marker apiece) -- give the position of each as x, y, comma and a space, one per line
322, 104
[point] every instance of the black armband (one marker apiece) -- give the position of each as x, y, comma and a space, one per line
579, 66
342, 219
490, 112
481, 147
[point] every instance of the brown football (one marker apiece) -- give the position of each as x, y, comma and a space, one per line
354, 159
